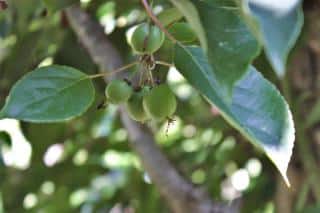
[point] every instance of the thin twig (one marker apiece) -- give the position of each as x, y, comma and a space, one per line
105, 74
156, 20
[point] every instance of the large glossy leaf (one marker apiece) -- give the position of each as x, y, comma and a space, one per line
279, 7
49, 94
277, 27
257, 109
191, 14
231, 45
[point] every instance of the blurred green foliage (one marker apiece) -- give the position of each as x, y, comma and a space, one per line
91, 167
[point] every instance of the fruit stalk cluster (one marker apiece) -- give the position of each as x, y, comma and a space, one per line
152, 101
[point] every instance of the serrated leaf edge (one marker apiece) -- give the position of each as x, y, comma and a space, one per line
289, 136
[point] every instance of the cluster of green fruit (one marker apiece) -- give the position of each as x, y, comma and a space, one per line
145, 103
155, 101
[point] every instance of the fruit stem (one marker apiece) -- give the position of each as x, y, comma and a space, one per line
156, 20
163, 63
141, 77
150, 76
123, 68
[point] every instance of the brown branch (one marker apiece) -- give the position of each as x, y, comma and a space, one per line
156, 20
181, 195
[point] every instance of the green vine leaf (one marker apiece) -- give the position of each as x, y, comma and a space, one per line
257, 109
231, 45
266, 22
49, 94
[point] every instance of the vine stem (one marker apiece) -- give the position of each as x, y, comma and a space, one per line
123, 68
156, 20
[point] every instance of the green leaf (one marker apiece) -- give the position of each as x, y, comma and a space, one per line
182, 32
278, 31
5, 138
191, 14
231, 45
55, 5
257, 109
169, 16
49, 94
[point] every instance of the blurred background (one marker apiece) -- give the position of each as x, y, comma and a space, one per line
86, 165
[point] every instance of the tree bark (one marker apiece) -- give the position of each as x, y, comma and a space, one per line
181, 195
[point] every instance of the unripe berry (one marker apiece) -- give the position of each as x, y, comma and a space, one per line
135, 107
147, 39
118, 91
160, 103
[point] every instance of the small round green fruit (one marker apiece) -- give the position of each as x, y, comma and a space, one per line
135, 108
147, 39
118, 91
160, 103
